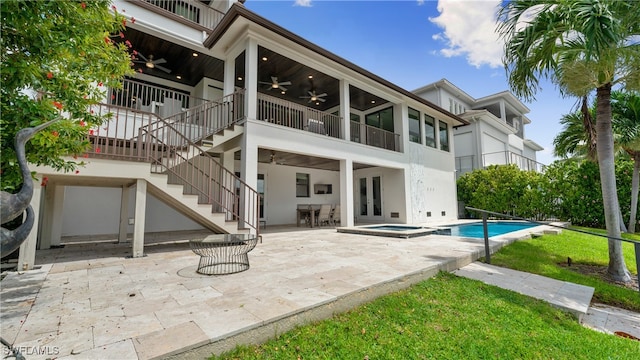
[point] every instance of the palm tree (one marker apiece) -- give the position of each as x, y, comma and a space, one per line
578, 135
581, 46
626, 125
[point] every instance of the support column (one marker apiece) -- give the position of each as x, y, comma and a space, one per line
27, 256
346, 192
251, 78
51, 226
345, 110
140, 213
124, 215
249, 174
228, 87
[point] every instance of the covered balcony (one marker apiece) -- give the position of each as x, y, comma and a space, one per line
173, 78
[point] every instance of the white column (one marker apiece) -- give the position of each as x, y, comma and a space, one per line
27, 256
345, 109
249, 173
56, 218
140, 213
401, 125
124, 214
251, 78
228, 87
51, 216
503, 112
346, 192
228, 182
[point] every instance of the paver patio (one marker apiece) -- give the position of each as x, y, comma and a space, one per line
91, 301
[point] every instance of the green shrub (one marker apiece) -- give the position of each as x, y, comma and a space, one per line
568, 190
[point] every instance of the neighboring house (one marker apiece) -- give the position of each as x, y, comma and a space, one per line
233, 121
495, 134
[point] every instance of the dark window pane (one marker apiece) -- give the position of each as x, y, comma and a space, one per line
414, 126
444, 136
429, 131
302, 185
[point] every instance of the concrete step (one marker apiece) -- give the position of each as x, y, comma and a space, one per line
567, 296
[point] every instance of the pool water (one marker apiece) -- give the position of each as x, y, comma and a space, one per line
475, 230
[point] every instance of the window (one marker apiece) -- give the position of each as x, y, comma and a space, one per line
381, 119
444, 136
302, 185
414, 126
260, 189
429, 131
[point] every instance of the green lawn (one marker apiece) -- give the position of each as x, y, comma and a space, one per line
445, 317
544, 254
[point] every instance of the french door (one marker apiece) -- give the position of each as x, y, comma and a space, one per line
370, 198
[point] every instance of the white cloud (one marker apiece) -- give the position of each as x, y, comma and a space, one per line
305, 3
469, 29
420, 2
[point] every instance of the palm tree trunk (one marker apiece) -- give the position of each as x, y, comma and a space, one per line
635, 180
604, 132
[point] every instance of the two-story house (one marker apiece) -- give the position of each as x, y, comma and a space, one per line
232, 121
495, 134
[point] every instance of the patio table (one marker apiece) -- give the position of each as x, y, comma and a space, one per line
223, 253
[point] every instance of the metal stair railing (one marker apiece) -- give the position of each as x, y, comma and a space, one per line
205, 120
140, 136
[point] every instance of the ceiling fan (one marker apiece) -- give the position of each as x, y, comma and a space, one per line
315, 97
273, 160
152, 64
274, 84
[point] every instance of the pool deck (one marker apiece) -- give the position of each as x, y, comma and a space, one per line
90, 301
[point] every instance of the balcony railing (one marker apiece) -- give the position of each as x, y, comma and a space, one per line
286, 113
143, 136
373, 136
464, 164
161, 101
190, 12
508, 157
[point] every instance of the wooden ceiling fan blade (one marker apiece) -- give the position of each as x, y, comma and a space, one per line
321, 99
321, 95
159, 61
142, 57
282, 87
285, 83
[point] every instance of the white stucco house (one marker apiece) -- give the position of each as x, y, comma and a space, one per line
495, 134
232, 122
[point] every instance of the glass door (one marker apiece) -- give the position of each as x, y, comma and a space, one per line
370, 198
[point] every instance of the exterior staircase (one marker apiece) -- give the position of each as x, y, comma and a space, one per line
182, 173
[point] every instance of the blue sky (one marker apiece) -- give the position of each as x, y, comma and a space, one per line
413, 43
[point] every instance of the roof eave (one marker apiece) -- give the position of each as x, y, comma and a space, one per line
237, 10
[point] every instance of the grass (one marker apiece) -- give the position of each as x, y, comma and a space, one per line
445, 317
544, 254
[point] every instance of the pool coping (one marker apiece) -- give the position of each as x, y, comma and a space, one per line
367, 230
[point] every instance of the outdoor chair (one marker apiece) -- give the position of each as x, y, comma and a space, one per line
335, 215
324, 216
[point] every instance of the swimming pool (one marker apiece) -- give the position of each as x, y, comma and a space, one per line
475, 230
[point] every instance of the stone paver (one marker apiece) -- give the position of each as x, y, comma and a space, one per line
570, 297
93, 302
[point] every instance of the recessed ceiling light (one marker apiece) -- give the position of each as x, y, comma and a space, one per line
310, 76
283, 92
195, 54
373, 101
178, 77
317, 103
264, 58
240, 78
